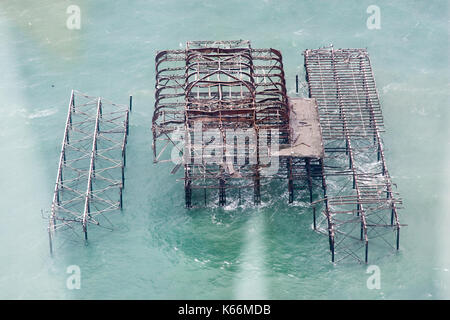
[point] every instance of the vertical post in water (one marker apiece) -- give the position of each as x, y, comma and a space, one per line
308, 172
73, 100
332, 251
362, 230
88, 196
222, 196
50, 241
123, 177
296, 83
131, 103
290, 180
187, 193
127, 127
257, 188
85, 232
367, 252
256, 178
120, 199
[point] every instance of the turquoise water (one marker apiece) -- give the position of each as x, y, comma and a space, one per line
159, 250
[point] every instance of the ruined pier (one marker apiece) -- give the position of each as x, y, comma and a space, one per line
90, 176
223, 106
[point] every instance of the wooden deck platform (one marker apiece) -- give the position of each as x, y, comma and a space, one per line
306, 134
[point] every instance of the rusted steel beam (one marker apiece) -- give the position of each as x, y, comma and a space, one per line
91, 173
52, 221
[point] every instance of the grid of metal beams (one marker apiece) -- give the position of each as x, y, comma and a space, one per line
222, 85
228, 85
90, 176
364, 206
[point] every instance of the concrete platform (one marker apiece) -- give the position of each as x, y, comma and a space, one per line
306, 134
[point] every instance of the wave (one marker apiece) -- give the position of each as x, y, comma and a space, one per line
42, 113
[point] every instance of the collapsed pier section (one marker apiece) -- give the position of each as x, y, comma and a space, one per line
365, 206
90, 177
226, 102
329, 141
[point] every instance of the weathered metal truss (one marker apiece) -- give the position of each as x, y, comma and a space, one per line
223, 85
332, 138
365, 206
90, 176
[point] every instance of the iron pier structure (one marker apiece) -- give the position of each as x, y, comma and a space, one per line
90, 177
230, 94
365, 206
222, 113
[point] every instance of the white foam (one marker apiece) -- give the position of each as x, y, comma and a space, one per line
42, 113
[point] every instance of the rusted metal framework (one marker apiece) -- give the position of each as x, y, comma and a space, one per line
90, 176
362, 205
330, 141
217, 87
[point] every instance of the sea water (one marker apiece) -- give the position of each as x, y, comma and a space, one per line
160, 250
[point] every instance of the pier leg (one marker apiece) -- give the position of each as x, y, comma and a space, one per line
222, 196
308, 172
291, 190
123, 177
314, 218
290, 181
120, 200
362, 230
257, 190
188, 193
257, 182
367, 252
324, 185
50, 241
332, 249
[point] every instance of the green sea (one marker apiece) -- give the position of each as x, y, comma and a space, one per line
159, 249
